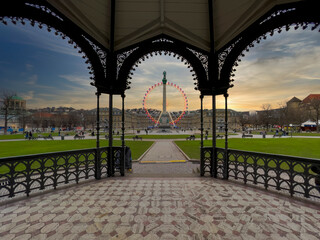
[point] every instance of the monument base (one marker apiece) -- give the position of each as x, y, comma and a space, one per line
164, 129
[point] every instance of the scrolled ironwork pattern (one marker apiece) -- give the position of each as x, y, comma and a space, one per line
44, 9
104, 161
277, 13
31, 173
121, 57
205, 163
220, 162
129, 59
163, 40
24, 174
160, 52
279, 172
284, 17
118, 159
224, 54
44, 16
203, 59
100, 53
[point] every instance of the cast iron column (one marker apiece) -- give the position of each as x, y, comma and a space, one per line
123, 143
98, 119
98, 157
122, 163
214, 141
111, 73
226, 158
110, 159
202, 163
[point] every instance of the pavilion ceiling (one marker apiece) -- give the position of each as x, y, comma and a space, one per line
185, 20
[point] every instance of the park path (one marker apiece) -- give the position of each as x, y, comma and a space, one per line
164, 159
163, 151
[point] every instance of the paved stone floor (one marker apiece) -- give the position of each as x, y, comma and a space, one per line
159, 201
159, 208
169, 170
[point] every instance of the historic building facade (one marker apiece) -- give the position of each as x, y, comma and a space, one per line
16, 110
136, 119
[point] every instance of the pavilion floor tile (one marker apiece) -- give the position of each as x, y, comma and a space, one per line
159, 208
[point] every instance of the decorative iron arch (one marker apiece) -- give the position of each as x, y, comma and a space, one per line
279, 19
40, 14
195, 60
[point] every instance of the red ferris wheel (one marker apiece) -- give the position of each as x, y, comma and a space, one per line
173, 122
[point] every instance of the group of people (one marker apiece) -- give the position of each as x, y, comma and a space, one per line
284, 133
29, 135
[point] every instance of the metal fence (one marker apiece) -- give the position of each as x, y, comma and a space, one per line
25, 174
294, 175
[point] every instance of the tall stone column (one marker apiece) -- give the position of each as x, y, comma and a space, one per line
164, 94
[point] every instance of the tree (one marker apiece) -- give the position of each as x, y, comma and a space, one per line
297, 116
254, 121
265, 116
23, 118
6, 108
283, 115
244, 120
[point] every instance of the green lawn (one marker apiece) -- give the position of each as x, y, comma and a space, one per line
144, 136
17, 148
304, 147
168, 136
22, 136
314, 134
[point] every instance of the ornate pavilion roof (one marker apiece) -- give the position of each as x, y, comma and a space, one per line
185, 20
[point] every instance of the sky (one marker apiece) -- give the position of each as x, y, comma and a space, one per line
46, 71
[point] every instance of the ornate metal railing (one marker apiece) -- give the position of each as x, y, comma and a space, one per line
206, 165
294, 175
25, 174
117, 161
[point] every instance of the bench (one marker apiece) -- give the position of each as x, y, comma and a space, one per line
79, 136
191, 137
219, 136
247, 135
137, 138
107, 137
277, 135
48, 137
45, 137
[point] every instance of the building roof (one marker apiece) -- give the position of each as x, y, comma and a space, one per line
294, 99
311, 97
17, 98
185, 20
43, 114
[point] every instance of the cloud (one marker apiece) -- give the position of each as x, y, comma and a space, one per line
276, 70
28, 95
43, 39
150, 72
79, 80
29, 67
32, 79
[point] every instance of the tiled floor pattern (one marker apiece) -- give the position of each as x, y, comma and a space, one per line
168, 170
159, 208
